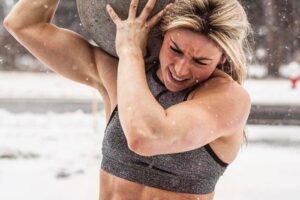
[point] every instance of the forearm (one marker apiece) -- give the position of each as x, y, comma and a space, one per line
140, 113
30, 12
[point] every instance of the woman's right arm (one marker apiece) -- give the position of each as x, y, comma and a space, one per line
64, 51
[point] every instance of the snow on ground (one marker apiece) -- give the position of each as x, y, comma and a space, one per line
37, 85
57, 157
41, 85
262, 172
49, 157
273, 92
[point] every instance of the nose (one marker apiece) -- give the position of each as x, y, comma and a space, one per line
182, 69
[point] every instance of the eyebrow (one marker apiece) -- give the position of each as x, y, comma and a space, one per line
196, 58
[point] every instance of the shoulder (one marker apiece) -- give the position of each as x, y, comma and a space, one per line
224, 87
226, 99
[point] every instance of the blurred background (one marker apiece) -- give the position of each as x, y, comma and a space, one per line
51, 128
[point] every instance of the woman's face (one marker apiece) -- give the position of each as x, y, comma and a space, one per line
187, 58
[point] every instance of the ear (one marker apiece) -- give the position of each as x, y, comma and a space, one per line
223, 59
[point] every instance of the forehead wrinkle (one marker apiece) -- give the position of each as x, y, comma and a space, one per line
193, 50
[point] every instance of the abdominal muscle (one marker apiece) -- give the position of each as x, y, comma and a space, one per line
115, 188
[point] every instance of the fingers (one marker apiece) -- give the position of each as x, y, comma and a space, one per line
156, 18
133, 8
113, 15
147, 10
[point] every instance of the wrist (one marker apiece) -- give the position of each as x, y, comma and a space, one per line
130, 52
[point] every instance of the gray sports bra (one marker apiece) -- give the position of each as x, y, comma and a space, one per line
195, 172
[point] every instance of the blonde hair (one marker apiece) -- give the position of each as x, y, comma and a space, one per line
223, 21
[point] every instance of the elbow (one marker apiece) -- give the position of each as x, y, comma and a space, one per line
7, 23
139, 142
10, 25
135, 146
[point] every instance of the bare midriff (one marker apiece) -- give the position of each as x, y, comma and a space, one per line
115, 188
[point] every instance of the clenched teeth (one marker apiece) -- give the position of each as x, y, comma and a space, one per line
177, 78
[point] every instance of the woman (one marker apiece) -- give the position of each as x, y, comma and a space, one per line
174, 128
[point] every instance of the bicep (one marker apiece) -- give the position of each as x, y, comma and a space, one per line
190, 125
197, 122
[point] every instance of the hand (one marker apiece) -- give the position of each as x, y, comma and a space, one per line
132, 34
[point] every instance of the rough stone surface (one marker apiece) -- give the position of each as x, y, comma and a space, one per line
102, 30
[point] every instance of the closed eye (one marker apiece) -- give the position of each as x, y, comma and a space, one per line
200, 63
175, 50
